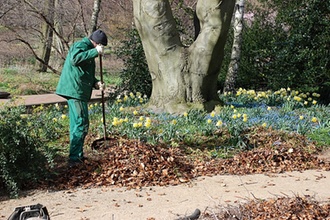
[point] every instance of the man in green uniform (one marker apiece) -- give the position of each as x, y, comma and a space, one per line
76, 83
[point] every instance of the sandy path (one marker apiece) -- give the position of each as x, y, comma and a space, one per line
174, 201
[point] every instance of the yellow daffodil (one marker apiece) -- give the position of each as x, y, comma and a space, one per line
301, 117
234, 116
148, 119
219, 123
135, 112
57, 106
264, 124
185, 114
245, 118
314, 119
297, 98
147, 124
174, 122
212, 114
209, 121
63, 116
314, 102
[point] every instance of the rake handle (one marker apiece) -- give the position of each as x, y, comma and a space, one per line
103, 105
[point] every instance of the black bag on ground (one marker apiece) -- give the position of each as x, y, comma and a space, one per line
30, 212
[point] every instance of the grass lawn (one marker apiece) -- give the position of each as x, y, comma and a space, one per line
18, 80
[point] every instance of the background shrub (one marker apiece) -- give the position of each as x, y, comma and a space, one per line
286, 44
24, 151
135, 75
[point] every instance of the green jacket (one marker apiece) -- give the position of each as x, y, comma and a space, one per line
78, 74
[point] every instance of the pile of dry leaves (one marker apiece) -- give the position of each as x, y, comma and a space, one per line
134, 164
280, 208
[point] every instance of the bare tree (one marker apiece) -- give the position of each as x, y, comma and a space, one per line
60, 44
183, 75
62, 21
95, 15
231, 77
47, 31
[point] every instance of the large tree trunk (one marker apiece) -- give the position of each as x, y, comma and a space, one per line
183, 75
231, 77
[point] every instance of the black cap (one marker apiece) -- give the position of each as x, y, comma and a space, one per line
99, 37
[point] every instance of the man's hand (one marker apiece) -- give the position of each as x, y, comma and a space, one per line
99, 49
99, 85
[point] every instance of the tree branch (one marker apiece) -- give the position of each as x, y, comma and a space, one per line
38, 12
35, 54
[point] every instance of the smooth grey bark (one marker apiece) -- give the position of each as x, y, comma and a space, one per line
231, 77
183, 75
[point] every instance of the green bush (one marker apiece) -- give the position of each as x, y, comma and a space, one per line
135, 76
24, 153
286, 45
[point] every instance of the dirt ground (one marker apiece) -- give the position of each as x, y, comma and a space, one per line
173, 202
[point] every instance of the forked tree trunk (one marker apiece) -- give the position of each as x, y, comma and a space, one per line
183, 75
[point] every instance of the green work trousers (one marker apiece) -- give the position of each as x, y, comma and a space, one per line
79, 124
